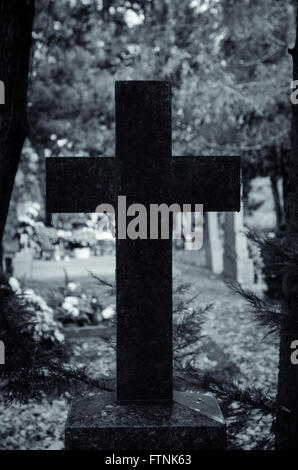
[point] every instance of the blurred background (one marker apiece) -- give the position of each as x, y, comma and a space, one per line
230, 73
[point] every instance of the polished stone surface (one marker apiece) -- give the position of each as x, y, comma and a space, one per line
191, 422
144, 172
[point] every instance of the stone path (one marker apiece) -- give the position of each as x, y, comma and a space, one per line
76, 268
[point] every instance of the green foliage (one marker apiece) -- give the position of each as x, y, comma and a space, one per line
264, 313
273, 268
220, 59
33, 425
36, 361
227, 61
282, 266
26, 188
38, 357
280, 259
281, 255
188, 319
74, 305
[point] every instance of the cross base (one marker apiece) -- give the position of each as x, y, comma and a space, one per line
192, 421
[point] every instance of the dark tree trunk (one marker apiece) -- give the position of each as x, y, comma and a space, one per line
16, 20
287, 418
277, 201
159, 12
106, 4
48, 221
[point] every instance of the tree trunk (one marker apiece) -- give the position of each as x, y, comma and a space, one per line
48, 221
106, 4
277, 202
16, 20
286, 431
159, 12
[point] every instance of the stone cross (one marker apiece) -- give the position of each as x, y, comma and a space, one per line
145, 172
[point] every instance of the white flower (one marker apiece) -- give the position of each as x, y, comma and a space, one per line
71, 286
42, 323
75, 312
108, 312
131, 18
24, 219
72, 300
34, 157
61, 142
60, 233
14, 284
67, 306
31, 211
29, 292
36, 206
59, 336
70, 304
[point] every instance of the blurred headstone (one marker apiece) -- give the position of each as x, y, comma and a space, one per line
10, 247
23, 264
213, 243
237, 264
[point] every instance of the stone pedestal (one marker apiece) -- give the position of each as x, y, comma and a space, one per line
192, 421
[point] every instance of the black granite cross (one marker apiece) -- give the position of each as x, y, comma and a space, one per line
145, 172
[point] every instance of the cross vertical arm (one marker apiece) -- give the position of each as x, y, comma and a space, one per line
144, 267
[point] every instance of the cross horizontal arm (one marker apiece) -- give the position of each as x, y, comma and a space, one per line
80, 184
211, 181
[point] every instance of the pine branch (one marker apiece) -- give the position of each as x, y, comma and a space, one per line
102, 282
281, 259
263, 312
34, 367
78, 375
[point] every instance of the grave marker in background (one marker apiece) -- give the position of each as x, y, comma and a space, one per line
213, 243
23, 264
237, 264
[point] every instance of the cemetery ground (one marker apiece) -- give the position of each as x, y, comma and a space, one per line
233, 348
